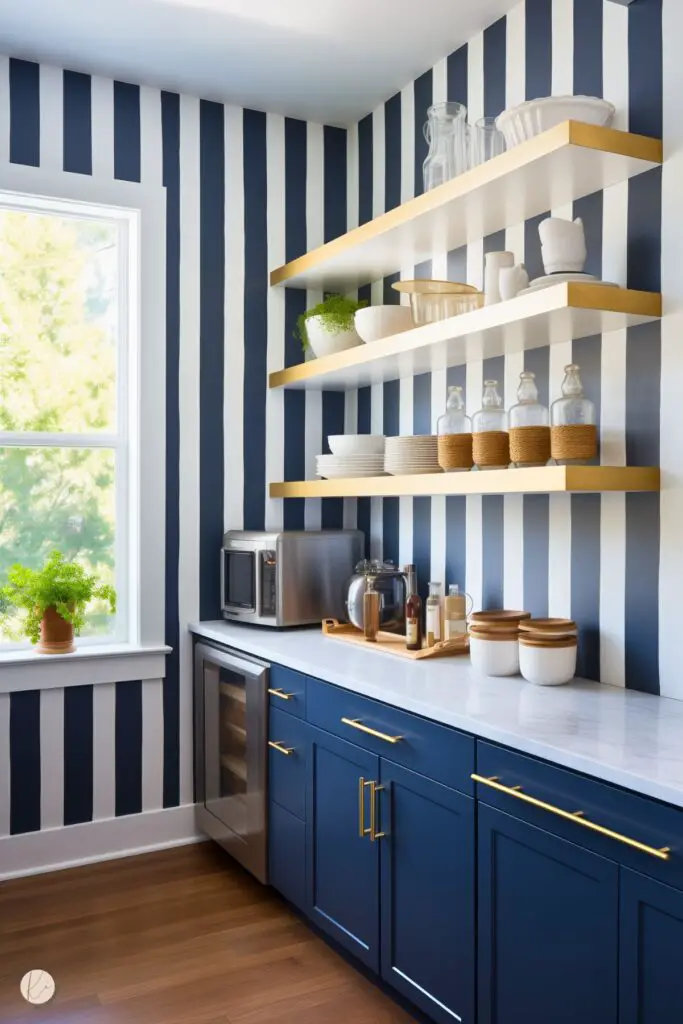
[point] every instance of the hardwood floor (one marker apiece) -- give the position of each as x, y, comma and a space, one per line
179, 936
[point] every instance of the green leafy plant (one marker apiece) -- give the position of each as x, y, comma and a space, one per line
64, 586
336, 313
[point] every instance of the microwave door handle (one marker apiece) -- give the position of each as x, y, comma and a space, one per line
224, 596
258, 596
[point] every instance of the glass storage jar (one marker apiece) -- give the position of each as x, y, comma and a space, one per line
490, 439
529, 425
573, 431
454, 432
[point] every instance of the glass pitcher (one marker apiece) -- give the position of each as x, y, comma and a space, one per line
447, 134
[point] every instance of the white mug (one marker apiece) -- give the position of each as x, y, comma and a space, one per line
493, 263
512, 280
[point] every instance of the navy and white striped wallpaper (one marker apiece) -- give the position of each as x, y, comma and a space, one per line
247, 191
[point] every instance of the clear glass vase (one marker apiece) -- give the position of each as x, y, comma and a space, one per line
529, 425
447, 134
454, 430
573, 430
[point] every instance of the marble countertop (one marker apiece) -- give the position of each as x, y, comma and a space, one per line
629, 738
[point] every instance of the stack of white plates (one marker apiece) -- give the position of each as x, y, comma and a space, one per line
335, 467
408, 455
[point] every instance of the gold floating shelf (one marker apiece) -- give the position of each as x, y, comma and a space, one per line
565, 163
556, 314
545, 480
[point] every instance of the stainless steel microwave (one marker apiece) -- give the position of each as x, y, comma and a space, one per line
292, 578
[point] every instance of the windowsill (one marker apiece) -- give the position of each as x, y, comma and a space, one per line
24, 669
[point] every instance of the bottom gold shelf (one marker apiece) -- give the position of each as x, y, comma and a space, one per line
543, 480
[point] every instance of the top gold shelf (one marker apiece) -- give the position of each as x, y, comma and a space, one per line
569, 161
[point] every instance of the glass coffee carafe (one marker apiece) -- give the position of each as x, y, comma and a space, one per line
447, 134
454, 434
573, 430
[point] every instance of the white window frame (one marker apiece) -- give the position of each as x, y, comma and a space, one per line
140, 210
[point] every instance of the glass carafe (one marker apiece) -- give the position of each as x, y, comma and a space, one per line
529, 430
447, 134
490, 440
573, 431
454, 430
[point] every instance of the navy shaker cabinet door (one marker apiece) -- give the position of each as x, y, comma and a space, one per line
427, 900
343, 866
287, 855
548, 927
651, 940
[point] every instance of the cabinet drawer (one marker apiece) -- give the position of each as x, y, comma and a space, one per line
287, 690
287, 762
628, 815
442, 754
287, 855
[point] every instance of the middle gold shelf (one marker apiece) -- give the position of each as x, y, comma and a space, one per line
559, 313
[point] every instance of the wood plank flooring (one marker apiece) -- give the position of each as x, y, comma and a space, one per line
179, 936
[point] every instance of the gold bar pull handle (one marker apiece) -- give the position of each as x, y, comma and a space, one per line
280, 747
280, 693
374, 790
578, 817
362, 830
355, 723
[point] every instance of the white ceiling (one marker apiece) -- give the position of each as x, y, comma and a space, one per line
324, 60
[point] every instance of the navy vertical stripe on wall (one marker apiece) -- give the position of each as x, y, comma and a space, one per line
423, 92
588, 29
585, 581
170, 127
495, 47
539, 48
645, 80
365, 169
392, 152
456, 75
333, 402
24, 759
457, 265
363, 513
492, 505
128, 748
77, 123
127, 131
642, 587
255, 317
456, 540
422, 404
334, 193
390, 510
422, 543
211, 349
78, 754
589, 209
24, 98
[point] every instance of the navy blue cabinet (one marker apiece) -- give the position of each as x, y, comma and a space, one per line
343, 862
427, 894
547, 927
650, 942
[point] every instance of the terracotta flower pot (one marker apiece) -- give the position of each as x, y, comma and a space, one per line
56, 634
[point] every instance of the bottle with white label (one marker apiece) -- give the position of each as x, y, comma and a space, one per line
455, 613
434, 615
413, 611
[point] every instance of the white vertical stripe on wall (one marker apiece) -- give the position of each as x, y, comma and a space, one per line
52, 758
51, 98
563, 47
102, 105
188, 577
352, 177
275, 401
405, 505
515, 65
233, 296
4, 765
671, 500
473, 504
376, 504
438, 502
560, 523
4, 109
475, 79
440, 82
152, 744
104, 750
351, 427
615, 65
151, 141
314, 238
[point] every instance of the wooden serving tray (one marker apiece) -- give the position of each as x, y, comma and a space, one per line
393, 643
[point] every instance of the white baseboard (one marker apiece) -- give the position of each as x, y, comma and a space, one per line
53, 849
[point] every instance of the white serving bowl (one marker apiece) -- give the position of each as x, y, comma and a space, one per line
547, 666
535, 116
494, 657
325, 343
356, 444
375, 322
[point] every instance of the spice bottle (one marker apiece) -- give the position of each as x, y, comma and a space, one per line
434, 615
371, 611
455, 613
413, 612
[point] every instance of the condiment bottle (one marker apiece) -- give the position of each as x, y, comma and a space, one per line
455, 613
413, 612
529, 430
490, 441
371, 611
454, 430
434, 615
573, 433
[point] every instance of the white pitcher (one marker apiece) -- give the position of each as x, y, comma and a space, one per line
512, 280
563, 245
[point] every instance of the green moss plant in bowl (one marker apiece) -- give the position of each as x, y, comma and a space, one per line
328, 327
54, 599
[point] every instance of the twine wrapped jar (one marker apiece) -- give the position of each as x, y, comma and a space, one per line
529, 429
490, 439
454, 430
573, 430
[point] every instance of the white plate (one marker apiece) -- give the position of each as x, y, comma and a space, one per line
330, 474
415, 471
547, 282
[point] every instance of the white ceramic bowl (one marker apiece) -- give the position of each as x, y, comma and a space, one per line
547, 666
494, 657
375, 322
535, 116
356, 444
325, 343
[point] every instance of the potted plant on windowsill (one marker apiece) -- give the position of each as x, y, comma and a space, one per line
54, 599
329, 326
